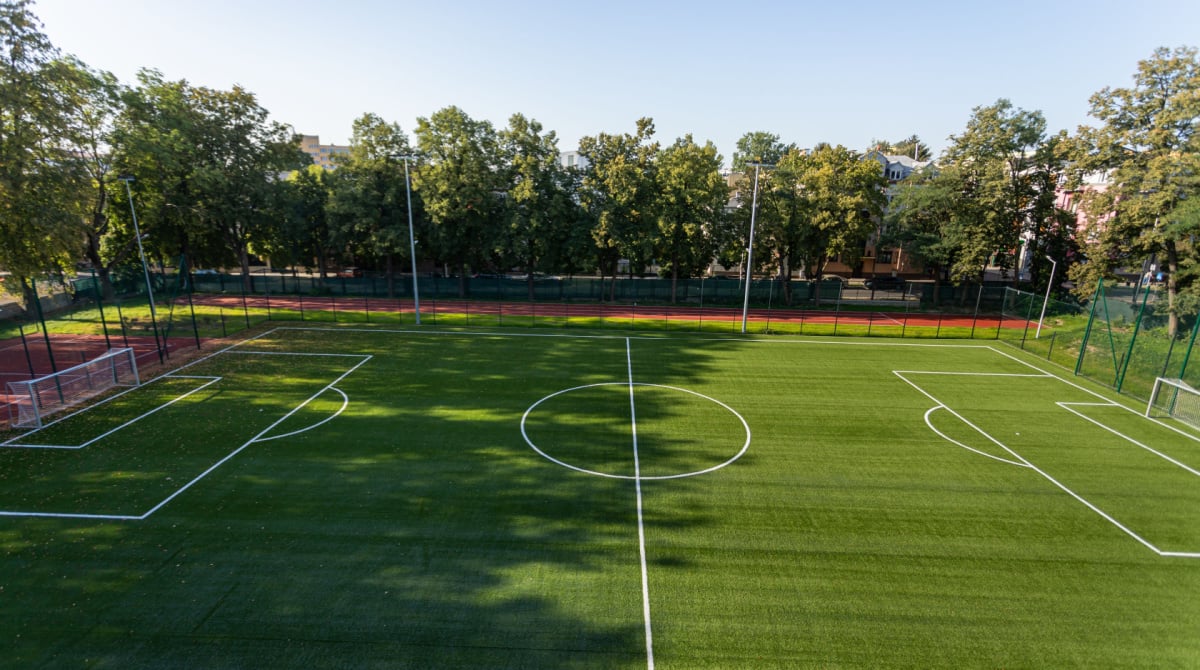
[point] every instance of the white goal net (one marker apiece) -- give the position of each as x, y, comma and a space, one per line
31, 401
1175, 399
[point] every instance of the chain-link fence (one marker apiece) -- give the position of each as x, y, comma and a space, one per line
1132, 338
1123, 338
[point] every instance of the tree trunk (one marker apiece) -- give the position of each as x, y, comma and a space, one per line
1172, 288
674, 276
463, 289
391, 276
244, 258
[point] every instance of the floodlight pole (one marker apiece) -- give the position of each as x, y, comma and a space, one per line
412, 241
1047, 300
145, 268
750, 246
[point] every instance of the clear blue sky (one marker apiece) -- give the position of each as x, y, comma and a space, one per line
838, 72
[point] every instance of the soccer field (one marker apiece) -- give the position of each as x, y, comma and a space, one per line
365, 497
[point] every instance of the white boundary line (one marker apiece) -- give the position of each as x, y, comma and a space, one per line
960, 417
257, 438
210, 382
254, 439
891, 318
1068, 406
637, 477
500, 333
1038, 470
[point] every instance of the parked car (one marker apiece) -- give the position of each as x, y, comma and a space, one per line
205, 273
885, 283
350, 272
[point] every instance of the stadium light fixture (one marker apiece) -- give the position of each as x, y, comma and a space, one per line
145, 268
1047, 300
412, 240
750, 246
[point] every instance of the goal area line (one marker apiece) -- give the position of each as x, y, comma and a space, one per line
1022, 461
261, 436
14, 443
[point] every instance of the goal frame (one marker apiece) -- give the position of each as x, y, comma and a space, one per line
1175, 387
32, 400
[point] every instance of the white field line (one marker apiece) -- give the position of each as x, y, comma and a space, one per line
166, 375
1054, 481
637, 477
230, 455
967, 374
533, 445
755, 340
345, 404
890, 318
210, 382
960, 417
929, 423
67, 515
12, 441
291, 353
254, 439
1067, 406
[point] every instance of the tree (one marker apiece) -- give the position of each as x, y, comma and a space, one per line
207, 165
619, 191
1148, 141
304, 234
460, 186
782, 212
841, 197
368, 210
923, 220
693, 196
539, 211
95, 98
242, 156
41, 181
992, 161
759, 147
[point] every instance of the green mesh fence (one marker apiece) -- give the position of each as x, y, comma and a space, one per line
1133, 338
1053, 329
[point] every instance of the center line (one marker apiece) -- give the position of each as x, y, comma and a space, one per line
637, 478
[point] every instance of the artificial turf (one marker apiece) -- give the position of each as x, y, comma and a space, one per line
421, 528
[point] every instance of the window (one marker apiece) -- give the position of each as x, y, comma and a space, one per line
883, 256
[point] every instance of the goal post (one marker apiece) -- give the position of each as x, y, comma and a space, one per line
1176, 399
31, 401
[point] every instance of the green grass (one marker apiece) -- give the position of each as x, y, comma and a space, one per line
418, 528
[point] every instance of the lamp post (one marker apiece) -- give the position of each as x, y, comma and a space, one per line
1045, 302
750, 246
412, 241
145, 268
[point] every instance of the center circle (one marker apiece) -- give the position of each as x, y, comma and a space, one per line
547, 456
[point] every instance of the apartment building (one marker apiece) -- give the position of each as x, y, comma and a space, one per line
322, 154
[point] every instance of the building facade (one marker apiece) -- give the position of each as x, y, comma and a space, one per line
322, 154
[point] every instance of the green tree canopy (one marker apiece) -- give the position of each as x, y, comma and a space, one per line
1147, 141
368, 210
461, 185
693, 197
42, 182
620, 192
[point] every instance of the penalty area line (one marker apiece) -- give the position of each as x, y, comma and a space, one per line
254, 439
